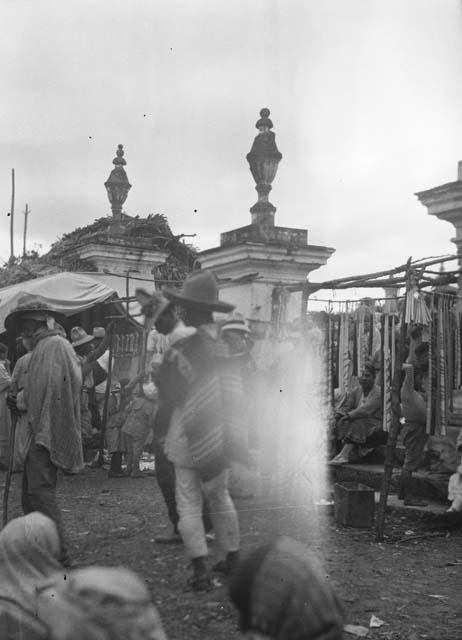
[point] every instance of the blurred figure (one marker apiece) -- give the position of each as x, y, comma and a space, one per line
280, 593
161, 314
236, 333
201, 388
139, 421
23, 434
29, 554
84, 346
99, 603
101, 342
51, 394
5, 420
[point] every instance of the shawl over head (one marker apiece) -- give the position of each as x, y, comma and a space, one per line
99, 603
281, 592
52, 396
29, 552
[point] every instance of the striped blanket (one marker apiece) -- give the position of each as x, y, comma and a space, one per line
205, 382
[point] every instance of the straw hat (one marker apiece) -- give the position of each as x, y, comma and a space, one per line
79, 337
199, 290
32, 307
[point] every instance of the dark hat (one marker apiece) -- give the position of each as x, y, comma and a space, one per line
199, 290
32, 307
152, 305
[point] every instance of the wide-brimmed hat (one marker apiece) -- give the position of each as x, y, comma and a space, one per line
235, 322
79, 337
199, 290
32, 307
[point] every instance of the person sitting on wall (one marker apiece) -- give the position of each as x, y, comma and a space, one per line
359, 421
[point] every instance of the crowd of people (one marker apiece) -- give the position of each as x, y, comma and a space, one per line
193, 405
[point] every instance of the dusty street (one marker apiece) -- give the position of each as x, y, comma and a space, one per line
405, 582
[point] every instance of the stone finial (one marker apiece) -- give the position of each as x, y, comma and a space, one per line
264, 121
119, 160
117, 185
263, 159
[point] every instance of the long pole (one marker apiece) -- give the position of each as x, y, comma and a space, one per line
107, 393
26, 213
12, 217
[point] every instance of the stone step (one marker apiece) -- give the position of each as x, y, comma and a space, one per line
433, 486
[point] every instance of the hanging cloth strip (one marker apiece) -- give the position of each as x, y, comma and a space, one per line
360, 340
450, 351
457, 349
416, 309
393, 344
431, 391
442, 368
340, 354
330, 360
386, 364
344, 356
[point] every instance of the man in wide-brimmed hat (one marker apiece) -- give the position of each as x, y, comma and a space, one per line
160, 313
202, 387
51, 395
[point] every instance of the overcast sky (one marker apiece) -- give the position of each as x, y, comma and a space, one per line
365, 96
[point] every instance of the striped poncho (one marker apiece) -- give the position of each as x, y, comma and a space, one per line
202, 384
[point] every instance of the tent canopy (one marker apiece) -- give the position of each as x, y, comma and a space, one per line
68, 293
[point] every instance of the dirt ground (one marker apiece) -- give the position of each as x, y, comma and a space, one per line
406, 582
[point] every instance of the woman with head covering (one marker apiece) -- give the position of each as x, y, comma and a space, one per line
280, 593
29, 553
99, 603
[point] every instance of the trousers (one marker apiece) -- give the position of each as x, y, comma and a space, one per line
165, 476
190, 491
39, 482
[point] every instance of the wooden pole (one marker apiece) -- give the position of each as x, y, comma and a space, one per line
26, 213
12, 216
394, 430
107, 393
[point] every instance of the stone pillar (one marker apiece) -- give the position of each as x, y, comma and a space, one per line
445, 202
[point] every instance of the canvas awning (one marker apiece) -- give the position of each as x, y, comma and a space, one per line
68, 293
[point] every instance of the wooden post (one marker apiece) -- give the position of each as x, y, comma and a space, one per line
26, 213
12, 217
394, 430
107, 393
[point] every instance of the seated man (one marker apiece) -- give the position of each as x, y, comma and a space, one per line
359, 421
